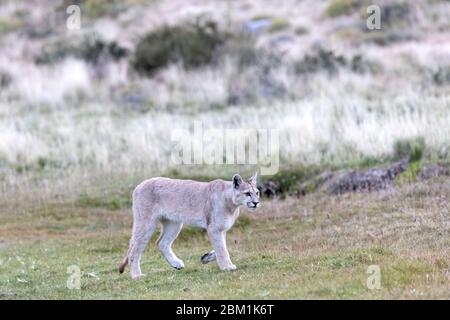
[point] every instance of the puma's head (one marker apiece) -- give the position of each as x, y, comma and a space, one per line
245, 191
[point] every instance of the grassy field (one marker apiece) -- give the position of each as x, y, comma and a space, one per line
316, 246
86, 114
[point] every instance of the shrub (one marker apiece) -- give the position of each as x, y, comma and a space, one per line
92, 50
396, 24
323, 59
410, 175
266, 22
99, 8
409, 148
5, 79
85, 48
278, 24
442, 76
193, 44
388, 36
396, 13
241, 47
359, 64
369, 161
301, 30
289, 181
341, 7
9, 25
329, 61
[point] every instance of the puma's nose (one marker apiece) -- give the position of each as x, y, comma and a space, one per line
255, 203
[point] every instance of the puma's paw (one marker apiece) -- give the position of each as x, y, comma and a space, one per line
137, 276
177, 264
230, 267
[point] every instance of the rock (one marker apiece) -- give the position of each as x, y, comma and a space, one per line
374, 179
270, 188
315, 183
369, 180
431, 171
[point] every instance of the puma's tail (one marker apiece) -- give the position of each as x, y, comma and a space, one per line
124, 261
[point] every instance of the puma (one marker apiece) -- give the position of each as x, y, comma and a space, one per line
213, 206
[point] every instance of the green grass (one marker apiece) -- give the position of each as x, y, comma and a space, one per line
413, 149
278, 24
9, 25
323, 255
410, 175
39, 270
114, 201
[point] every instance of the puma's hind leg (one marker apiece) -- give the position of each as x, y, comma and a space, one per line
141, 235
169, 232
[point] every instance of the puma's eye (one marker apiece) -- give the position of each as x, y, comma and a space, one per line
248, 194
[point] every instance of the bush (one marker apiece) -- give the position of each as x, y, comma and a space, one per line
241, 47
98, 8
388, 37
329, 61
9, 25
323, 59
341, 7
193, 44
396, 24
301, 30
278, 24
85, 48
289, 181
410, 175
360, 64
396, 13
5, 79
91, 51
442, 76
412, 149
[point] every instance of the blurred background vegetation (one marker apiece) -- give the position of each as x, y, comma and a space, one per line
103, 98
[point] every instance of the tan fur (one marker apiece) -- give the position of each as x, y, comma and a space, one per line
213, 206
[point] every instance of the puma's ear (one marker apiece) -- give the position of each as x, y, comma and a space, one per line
237, 181
252, 180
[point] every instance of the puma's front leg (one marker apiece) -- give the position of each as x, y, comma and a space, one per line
218, 241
